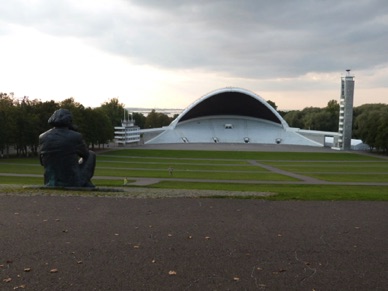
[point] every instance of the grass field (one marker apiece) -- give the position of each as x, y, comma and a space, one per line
340, 175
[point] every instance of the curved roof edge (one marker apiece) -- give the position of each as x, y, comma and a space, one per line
275, 116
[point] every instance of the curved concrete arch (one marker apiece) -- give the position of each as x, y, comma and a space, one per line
231, 101
230, 115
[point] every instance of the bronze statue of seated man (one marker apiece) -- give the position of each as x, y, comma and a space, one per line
63, 152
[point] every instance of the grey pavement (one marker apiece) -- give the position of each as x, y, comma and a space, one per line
100, 243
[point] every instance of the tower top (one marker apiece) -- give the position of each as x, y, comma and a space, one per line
348, 75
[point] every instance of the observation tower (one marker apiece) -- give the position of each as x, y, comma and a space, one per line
346, 112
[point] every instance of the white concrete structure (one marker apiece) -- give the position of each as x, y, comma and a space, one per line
346, 112
231, 115
127, 133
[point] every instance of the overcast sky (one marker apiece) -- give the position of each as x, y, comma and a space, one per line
169, 53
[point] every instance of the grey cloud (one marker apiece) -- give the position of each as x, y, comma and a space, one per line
282, 38
249, 38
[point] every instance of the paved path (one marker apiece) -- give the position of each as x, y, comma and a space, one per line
97, 243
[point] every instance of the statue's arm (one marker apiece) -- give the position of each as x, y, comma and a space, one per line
82, 149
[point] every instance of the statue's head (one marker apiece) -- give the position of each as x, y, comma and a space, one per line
61, 118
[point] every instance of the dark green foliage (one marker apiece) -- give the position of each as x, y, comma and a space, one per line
23, 120
371, 125
156, 119
139, 119
273, 104
314, 118
97, 128
114, 110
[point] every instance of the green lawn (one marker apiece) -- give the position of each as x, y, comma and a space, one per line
221, 170
333, 166
239, 155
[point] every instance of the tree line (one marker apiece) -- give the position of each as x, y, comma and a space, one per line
22, 121
370, 122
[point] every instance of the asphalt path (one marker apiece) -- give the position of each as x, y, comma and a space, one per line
100, 243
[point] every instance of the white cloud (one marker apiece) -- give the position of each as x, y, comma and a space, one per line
172, 52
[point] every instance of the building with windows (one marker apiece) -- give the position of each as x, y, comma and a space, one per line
127, 133
346, 112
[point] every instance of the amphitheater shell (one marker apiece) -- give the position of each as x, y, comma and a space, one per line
231, 115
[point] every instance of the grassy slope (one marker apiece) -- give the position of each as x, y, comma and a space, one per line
228, 166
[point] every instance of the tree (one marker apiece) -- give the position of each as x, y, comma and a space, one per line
44, 110
382, 130
309, 121
332, 110
294, 118
114, 110
104, 124
7, 121
273, 104
371, 125
156, 119
139, 119
96, 127
26, 132
76, 109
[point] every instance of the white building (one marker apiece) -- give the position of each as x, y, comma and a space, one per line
231, 115
127, 133
346, 112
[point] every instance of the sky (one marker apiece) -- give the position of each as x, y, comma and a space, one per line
169, 53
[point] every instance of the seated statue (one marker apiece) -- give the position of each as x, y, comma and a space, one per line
63, 152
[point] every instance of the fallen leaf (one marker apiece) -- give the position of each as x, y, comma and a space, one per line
236, 279
54, 271
7, 280
136, 247
169, 235
207, 237
153, 261
172, 273
79, 262
189, 237
20, 286
27, 269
